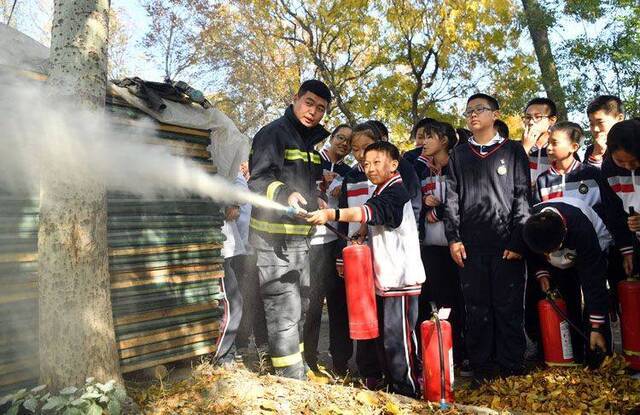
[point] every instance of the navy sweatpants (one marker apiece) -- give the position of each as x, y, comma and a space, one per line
493, 290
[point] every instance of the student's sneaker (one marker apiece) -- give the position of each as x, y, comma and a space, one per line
465, 369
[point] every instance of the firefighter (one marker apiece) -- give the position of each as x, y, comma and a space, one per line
285, 168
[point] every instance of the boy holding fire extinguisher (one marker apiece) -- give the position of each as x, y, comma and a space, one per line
398, 269
570, 234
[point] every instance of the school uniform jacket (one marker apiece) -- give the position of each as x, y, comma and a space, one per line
393, 237
538, 161
488, 195
356, 190
582, 248
625, 184
590, 159
322, 235
433, 182
587, 183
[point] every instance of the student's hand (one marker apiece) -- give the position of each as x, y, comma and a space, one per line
596, 340
322, 204
320, 217
634, 223
544, 284
231, 213
627, 264
531, 135
361, 235
510, 255
431, 201
458, 253
340, 269
336, 192
295, 199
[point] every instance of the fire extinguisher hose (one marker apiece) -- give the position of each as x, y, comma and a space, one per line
443, 391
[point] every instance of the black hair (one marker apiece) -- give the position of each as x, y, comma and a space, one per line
443, 130
573, 130
553, 109
384, 131
317, 87
463, 135
502, 128
610, 104
544, 232
384, 147
625, 136
493, 103
339, 127
421, 124
368, 129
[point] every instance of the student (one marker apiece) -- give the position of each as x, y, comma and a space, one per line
417, 135
442, 284
569, 235
603, 112
487, 201
622, 167
397, 266
539, 115
567, 177
325, 282
356, 190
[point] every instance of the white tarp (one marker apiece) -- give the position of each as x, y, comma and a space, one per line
19, 51
229, 147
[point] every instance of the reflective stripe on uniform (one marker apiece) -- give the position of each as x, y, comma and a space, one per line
271, 189
280, 228
301, 347
285, 361
295, 154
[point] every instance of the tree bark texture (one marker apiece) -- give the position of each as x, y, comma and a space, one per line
77, 337
538, 23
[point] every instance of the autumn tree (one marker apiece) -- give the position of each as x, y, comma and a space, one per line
119, 57
169, 41
76, 332
539, 21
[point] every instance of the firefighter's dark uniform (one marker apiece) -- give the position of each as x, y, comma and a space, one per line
283, 161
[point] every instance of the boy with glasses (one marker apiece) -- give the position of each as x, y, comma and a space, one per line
539, 115
487, 202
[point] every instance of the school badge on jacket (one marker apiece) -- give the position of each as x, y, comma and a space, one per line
502, 169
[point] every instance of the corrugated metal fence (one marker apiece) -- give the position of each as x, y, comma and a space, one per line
165, 265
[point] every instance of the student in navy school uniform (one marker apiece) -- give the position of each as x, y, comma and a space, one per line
539, 115
488, 196
325, 282
568, 235
442, 284
398, 270
603, 112
622, 168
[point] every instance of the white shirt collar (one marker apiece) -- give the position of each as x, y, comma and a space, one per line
495, 140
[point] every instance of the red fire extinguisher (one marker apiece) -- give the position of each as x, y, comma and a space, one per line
437, 360
629, 296
361, 296
555, 330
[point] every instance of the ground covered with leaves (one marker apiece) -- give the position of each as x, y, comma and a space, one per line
236, 390
608, 390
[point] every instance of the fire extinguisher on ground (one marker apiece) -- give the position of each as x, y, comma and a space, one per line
360, 289
437, 360
554, 329
629, 297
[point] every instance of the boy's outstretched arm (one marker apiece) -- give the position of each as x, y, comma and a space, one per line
322, 216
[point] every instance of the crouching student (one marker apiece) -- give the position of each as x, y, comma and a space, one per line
571, 237
487, 202
398, 270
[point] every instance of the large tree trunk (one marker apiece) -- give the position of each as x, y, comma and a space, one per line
77, 338
538, 23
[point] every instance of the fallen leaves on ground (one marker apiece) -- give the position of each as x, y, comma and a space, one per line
608, 390
238, 391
